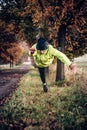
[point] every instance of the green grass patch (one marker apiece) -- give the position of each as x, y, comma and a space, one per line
62, 108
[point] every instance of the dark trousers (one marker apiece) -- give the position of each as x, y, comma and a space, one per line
42, 74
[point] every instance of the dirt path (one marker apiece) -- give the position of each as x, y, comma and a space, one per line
9, 79
81, 61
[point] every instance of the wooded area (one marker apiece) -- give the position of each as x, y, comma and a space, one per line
65, 25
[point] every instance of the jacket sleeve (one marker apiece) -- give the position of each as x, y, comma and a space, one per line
61, 56
34, 46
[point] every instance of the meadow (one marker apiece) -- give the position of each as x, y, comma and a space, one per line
64, 107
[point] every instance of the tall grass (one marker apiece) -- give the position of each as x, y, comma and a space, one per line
62, 108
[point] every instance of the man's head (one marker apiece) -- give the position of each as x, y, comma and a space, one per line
42, 44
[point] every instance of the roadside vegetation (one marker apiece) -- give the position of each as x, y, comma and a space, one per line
64, 107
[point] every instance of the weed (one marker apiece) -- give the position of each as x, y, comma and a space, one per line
61, 108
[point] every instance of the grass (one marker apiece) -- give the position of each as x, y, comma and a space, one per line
62, 108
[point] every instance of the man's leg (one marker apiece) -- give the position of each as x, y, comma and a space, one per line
43, 78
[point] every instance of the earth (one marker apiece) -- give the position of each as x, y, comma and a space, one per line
9, 79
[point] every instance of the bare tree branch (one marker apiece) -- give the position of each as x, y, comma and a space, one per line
79, 4
41, 5
55, 3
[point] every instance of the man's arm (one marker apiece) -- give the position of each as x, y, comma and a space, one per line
32, 49
62, 57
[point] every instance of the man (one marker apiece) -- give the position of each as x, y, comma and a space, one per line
44, 54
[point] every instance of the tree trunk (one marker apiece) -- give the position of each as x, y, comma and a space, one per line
11, 61
61, 40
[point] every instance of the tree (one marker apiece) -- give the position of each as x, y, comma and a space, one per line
13, 25
10, 53
66, 19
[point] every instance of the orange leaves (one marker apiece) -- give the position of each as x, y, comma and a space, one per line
23, 13
48, 11
31, 1
13, 50
10, 27
2, 23
37, 17
3, 55
50, 14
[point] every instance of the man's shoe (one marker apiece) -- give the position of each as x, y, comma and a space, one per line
45, 88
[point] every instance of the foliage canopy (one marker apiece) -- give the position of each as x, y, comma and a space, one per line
20, 18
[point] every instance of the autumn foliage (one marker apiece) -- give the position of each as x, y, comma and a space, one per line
10, 50
22, 18
70, 14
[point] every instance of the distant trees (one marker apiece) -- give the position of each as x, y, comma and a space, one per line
10, 53
13, 26
10, 50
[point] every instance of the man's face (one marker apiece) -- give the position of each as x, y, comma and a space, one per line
41, 51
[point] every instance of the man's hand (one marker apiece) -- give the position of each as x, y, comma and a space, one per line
72, 66
32, 50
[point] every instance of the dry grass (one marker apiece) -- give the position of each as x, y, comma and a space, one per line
56, 109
